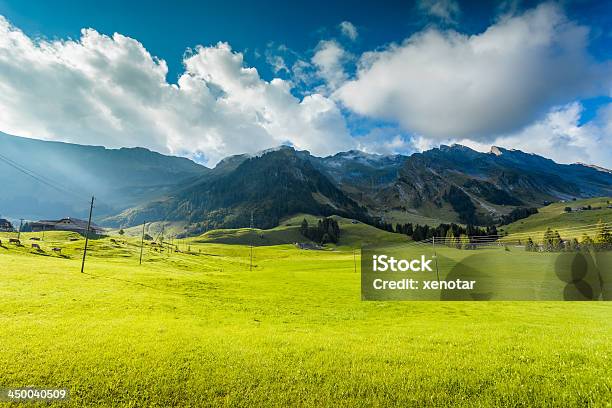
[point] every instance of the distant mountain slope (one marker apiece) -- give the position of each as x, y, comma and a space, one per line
478, 187
360, 175
119, 178
445, 184
359, 168
586, 212
273, 185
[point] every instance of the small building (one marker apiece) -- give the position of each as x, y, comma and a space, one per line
6, 226
66, 224
308, 246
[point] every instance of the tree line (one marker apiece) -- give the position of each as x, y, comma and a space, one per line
423, 232
325, 231
553, 242
517, 214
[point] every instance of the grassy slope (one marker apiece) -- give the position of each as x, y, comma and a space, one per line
402, 217
199, 329
170, 229
555, 217
288, 232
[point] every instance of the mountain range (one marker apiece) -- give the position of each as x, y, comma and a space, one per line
450, 183
63, 177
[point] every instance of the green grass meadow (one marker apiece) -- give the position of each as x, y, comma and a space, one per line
569, 224
199, 328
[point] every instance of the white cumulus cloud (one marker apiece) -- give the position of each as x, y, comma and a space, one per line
446, 10
349, 30
109, 90
561, 136
329, 59
443, 84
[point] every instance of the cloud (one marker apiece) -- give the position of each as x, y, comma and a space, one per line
387, 141
277, 62
446, 10
111, 91
329, 58
348, 30
443, 84
560, 136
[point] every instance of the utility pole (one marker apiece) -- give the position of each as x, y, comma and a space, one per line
354, 260
142, 241
251, 265
435, 257
87, 235
163, 247
19, 232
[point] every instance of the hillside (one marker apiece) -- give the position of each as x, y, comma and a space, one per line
555, 217
274, 185
456, 183
352, 234
446, 184
132, 185
67, 175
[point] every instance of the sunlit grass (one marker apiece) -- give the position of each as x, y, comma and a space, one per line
199, 329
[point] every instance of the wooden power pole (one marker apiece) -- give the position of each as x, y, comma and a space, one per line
20, 226
142, 241
251, 265
87, 235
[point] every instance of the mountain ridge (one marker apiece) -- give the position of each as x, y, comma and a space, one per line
119, 178
450, 183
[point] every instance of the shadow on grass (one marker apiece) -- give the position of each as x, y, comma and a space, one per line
139, 284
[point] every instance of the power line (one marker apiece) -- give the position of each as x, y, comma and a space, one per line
38, 177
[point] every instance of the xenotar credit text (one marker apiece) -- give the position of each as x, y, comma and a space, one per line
385, 263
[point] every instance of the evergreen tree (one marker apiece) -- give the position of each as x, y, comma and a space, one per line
450, 238
603, 234
586, 242
464, 242
556, 241
408, 230
326, 231
492, 230
547, 240
574, 245
530, 246
304, 227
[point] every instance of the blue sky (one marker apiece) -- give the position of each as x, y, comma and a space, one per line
168, 29
328, 76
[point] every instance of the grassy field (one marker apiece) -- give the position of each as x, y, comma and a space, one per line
402, 217
200, 329
354, 234
555, 217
